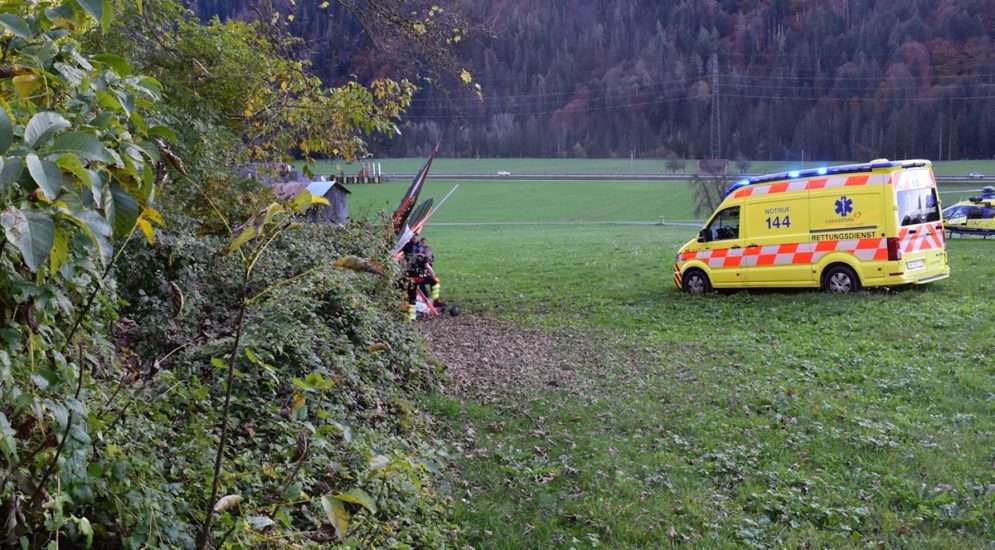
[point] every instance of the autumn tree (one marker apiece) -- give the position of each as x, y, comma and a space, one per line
708, 190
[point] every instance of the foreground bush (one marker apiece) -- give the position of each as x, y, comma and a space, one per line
325, 444
145, 399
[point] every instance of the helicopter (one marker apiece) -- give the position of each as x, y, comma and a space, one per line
974, 216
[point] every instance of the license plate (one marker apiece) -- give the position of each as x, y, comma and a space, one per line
916, 264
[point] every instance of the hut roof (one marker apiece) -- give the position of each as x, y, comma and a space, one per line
284, 191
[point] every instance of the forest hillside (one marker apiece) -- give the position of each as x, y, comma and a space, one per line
789, 79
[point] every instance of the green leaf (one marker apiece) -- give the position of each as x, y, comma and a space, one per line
266, 215
116, 62
10, 170
103, 120
8, 443
85, 145
124, 211
60, 250
259, 523
95, 227
97, 187
360, 497
164, 132
46, 174
252, 228
61, 15
337, 515
41, 127
45, 378
127, 101
86, 530
16, 25
139, 123
100, 10
32, 232
108, 18
150, 86
143, 103
73, 74
72, 164
240, 236
109, 101
6, 131
255, 360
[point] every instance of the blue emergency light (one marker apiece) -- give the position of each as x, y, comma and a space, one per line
822, 171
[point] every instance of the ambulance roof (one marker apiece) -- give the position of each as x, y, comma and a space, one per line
878, 164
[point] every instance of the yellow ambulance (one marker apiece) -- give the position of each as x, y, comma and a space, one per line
839, 228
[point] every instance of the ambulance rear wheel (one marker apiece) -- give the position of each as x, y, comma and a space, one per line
840, 279
696, 282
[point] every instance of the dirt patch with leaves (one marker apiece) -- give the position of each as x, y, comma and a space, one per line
490, 360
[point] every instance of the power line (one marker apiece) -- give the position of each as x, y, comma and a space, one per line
540, 103
663, 101
730, 81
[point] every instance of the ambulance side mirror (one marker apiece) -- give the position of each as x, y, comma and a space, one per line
703, 236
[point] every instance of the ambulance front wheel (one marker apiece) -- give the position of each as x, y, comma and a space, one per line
841, 279
696, 282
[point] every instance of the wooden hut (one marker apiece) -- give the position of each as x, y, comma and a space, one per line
337, 210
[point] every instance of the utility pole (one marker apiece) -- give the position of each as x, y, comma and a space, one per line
939, 154
716, 145
632, 156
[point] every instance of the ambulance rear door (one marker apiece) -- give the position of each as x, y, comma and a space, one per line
920, 229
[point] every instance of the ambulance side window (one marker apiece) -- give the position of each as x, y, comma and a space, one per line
724, 226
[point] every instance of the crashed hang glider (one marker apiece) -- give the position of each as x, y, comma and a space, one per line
409, 218
403, 211
419, 212
419, 216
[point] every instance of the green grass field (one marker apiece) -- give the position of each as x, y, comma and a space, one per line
747, 419
493, 201
548, 201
